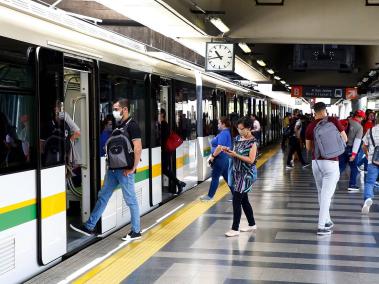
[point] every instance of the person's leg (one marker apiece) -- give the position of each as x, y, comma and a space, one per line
343, 159
237, 199
318, 179
331, 176
371, 176
353, 173
247, 209
129, 194
225, 173
291, 151
216, 173
299, 153
105, 193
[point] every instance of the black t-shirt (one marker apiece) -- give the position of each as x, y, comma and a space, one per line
132, 128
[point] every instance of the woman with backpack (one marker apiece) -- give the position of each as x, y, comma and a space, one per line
244, 174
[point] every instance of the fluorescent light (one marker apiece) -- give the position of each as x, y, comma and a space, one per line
365, 79
218, 23
277, 78
283, 82
74, 50
261, 63
372, 73
270, 71
244, 47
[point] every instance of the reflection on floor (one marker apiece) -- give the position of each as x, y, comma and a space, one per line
284, 249
74, 238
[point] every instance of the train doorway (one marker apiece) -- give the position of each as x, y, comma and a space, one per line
76, 126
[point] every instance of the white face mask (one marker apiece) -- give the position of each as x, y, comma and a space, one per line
117, 115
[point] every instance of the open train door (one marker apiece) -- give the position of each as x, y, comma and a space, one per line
51, 195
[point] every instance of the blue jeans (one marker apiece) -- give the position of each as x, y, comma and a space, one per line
362, 160
114, 178
371, 176
344, 160
220, 168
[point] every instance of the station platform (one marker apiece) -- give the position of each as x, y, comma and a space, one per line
186, 244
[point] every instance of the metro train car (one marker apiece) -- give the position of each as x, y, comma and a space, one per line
57, 84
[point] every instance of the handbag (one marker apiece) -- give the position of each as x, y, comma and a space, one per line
375, 156
173, 142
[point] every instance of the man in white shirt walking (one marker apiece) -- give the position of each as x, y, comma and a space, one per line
370, 140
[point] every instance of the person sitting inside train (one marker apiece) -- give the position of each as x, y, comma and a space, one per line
106, 132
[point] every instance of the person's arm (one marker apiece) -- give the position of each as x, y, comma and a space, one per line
356, 143
137, 143
249, 159
309, 145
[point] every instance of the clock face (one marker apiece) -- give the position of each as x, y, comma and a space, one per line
220, 57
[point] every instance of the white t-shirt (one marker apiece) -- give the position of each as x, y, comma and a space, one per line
368, 142
256, 126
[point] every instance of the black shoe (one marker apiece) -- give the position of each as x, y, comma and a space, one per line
329, 225
324, 232
83, 230
181, 185
132, 236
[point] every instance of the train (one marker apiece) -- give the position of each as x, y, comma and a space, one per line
58, 79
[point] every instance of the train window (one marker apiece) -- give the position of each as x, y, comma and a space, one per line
185, 109
209, 116
17, 140
120, 82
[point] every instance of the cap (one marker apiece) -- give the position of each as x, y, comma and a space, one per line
360, 113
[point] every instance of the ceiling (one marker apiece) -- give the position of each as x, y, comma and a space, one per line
273, 31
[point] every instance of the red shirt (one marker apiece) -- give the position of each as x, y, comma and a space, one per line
311, 127
369, 124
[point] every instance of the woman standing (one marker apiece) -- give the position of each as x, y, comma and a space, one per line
219, 160
244, 175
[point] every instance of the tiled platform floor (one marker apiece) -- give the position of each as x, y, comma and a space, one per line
284, 249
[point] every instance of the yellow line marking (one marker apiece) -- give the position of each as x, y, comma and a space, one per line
141, 169
53, 204
120, 265
17, 205
179, 162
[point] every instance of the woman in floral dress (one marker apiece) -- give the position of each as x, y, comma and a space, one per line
244, 175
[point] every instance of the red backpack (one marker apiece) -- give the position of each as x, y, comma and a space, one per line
173, 142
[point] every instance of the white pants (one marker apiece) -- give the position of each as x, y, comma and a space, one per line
326, 174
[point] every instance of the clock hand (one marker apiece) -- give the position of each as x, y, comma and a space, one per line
218, 55
215, 57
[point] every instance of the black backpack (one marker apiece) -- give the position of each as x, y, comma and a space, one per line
119, 150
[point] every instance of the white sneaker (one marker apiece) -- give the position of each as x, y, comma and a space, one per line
353, 188
248, 228
366, 206
232, 233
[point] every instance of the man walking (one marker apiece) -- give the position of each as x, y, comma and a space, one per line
325, 170
370, 140
354, 138
294, 140
122, 177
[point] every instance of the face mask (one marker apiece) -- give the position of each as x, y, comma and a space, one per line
117, 115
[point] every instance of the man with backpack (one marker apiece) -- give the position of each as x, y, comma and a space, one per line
123, 150
354, 135
326, 138
371, 149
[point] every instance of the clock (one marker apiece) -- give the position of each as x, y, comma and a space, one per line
219, 57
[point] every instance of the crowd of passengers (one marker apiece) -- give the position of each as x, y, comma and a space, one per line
352, 141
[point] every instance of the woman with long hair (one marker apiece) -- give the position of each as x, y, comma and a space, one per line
244, 174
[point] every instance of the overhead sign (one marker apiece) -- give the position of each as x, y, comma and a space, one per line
318, 92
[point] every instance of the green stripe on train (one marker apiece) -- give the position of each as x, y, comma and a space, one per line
18, 217
140, 176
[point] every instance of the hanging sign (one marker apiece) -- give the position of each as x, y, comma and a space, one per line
351, 93
318, 92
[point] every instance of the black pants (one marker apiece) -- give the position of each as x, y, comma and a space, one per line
166, 169
241, 199
294, 147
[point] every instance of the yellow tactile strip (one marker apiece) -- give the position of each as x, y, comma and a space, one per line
120, 265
